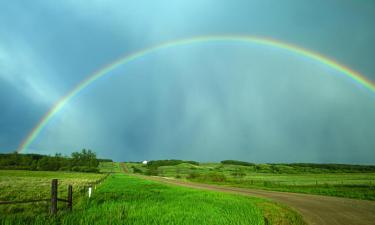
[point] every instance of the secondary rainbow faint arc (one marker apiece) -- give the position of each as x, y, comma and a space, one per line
353, 75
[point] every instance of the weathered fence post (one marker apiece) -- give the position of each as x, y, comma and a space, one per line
54, 196
70, 197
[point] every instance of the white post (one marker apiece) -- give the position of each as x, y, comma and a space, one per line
89, 192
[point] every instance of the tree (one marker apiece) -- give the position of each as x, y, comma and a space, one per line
84, 161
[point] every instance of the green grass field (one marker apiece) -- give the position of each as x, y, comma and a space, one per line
18, 185
352, 185
109, 167
123, 199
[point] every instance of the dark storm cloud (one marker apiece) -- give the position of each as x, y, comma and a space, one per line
206, 102
17, 107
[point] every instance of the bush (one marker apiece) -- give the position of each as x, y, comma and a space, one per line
90, 170
65, 168
169, 162
238, 173
193, 176
137, 170
215, 177
210, 177
152, 172
236, 162
85, 169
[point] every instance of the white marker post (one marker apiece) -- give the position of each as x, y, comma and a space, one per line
89, 192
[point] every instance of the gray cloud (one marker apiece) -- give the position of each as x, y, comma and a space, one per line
201, 106
204, 102
22, 68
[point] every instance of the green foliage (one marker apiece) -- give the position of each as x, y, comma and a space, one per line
85, 158
52, 163
334, 168
85, 169
304, 167
105, 160
207, 177
236, 162
109, 167
238, 173
152, 167
137, 170
278, 214
171, 167
122, 199
214, 177
264, 168
84, 161
193, 176
170, 162
17, 185
281, 177
152, 171
19, 161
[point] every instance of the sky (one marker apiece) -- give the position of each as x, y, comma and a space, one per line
205, 101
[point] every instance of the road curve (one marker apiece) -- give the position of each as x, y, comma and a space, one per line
315, 209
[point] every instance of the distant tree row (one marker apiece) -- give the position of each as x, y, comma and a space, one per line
303, 167
168, 162
236, 162
152, 166
84, 161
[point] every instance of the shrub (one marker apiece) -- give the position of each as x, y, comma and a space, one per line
215, 177
137, 170
169, 162
152, 172
236, 162
193, 175
238, 173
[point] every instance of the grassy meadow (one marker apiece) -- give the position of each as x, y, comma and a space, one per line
359, 185
109, 167
124, 199
17, 185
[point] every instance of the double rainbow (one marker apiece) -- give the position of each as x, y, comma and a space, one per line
353, 75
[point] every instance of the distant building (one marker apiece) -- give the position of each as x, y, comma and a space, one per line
144, 162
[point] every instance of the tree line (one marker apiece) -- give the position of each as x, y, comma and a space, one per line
153, 165
303, 167
83, 161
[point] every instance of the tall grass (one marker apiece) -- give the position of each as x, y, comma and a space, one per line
17, 185
123, 199
351, 185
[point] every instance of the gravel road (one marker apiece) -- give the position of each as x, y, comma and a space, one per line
315, 209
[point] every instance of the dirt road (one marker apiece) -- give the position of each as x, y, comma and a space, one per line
316, 210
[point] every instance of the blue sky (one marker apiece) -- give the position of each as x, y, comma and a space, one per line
204, 102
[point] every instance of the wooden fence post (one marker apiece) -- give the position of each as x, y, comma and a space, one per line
70, 197
54, 196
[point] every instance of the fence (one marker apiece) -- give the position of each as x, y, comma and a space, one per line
54, 199
92, 185
54, 196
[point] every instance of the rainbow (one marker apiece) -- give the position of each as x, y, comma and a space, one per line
353, 75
